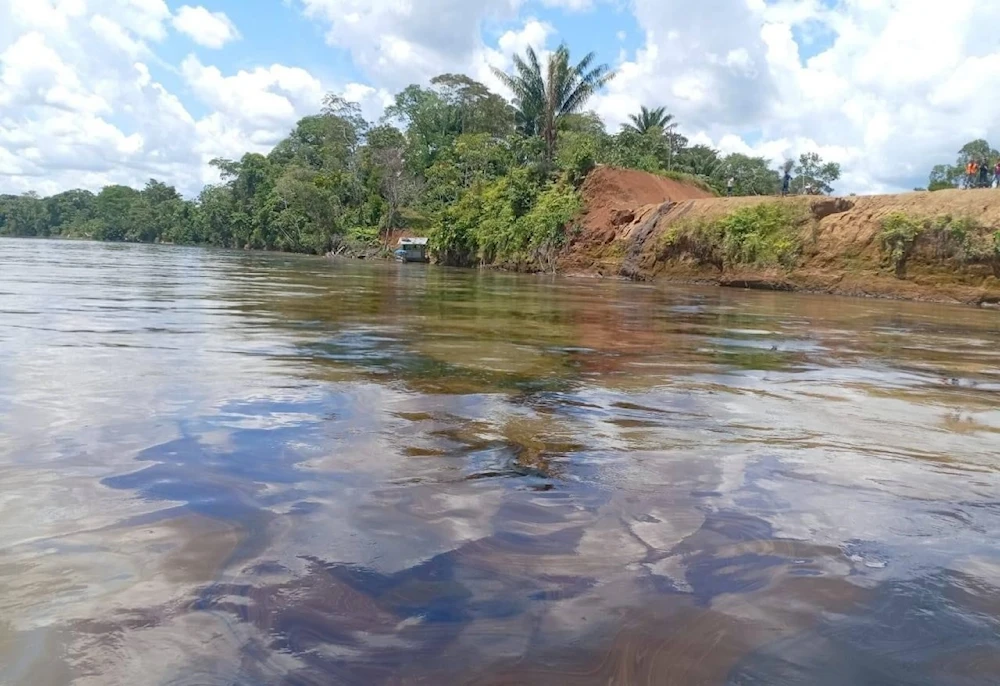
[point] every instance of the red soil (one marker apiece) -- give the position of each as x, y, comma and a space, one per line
608, 193
613, 199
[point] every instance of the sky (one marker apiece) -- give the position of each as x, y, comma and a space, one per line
94, 92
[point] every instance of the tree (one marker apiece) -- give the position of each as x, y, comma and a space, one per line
647, 119
22, 215
647, 151
397, 186
112, 208
978, 150
479, 109
699, 160
321, 142
812, 171
542, 100
945, 176
752, 175
584, 122
69, 211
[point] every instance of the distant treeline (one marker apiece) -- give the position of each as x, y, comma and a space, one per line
488, 180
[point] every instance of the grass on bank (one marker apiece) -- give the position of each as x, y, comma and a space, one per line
947, 237
764, 235
689, 179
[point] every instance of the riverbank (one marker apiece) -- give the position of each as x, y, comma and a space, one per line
942, 246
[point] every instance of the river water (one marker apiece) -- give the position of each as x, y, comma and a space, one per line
228, 468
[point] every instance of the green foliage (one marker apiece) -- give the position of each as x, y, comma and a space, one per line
690, 179
977, 150
633, 150
512, 220
752, 175
812, 172
945, 176
542, 99
487, 180
578, 154
545, 223
648, 119
899, 234
946, 237
368, 235
763, 235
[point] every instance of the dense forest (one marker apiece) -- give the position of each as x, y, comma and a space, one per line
490, 181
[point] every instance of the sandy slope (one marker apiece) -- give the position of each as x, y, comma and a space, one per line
627, 211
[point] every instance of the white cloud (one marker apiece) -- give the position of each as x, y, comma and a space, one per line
532, 34
371, 100
264, 98
397, 43
33, 74
80, 106
882, 86
883, 90
116, 36
208, 29
145, 18
570, 5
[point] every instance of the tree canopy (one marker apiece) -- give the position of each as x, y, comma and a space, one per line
543, 99
945, 176
648, 119
488, 180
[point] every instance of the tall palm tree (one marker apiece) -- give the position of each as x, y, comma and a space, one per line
543, 98
648, 119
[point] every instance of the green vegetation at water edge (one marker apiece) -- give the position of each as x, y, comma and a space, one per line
765, 235
947, 237
490, 181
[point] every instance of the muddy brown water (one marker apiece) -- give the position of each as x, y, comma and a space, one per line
225, 468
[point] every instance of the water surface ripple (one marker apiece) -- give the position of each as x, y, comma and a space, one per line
227, 468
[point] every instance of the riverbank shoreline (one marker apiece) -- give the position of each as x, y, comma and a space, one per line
847, 286
941, 247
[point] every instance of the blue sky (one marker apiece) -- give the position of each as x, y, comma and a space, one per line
101, 91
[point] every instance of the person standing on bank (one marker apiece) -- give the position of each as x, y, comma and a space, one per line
729, 185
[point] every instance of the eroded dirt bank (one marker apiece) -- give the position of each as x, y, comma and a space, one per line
940, 246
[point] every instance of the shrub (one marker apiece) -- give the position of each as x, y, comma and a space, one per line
898, 236
962, 239
577, 155
509, 222
368, 235
765, 234
689, 179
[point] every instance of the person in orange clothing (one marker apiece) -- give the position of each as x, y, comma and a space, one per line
971, 170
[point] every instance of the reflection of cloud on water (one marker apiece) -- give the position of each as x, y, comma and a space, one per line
475, 478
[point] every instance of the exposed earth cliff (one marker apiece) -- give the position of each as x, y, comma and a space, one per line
942, 246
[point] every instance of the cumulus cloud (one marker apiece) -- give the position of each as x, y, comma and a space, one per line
208, 29
884, 88
264, 98
571, 5
398, 43
79, 105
